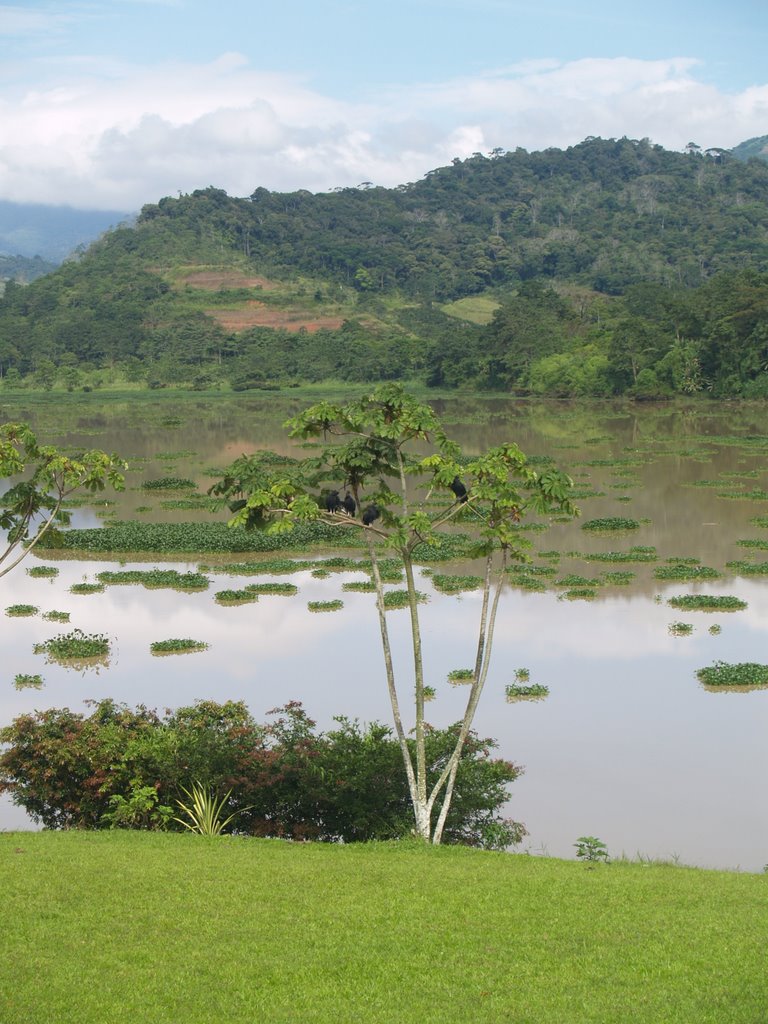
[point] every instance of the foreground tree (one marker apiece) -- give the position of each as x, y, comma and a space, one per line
406, 499
30, 507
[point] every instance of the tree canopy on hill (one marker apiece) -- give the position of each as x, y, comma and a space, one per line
614, 266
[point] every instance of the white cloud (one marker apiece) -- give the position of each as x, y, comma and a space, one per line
103, 134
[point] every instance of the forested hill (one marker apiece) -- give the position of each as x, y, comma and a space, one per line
482, 273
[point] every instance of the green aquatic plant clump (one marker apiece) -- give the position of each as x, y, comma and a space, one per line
683, 573
619, 579
177, 646
680, 629
460, 676
397, 599
17, 611
745, 673
42, 571
637, 553
748, 568
56, 616
456, 584
574, 580
25, 681
169, 483
87, 588
155, 579
235, 597
610, 524
76, 644
325, 606
359, 587
273, 589
707, 603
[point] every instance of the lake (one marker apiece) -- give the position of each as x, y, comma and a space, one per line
628, 746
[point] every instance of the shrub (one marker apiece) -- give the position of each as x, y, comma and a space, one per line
118, 767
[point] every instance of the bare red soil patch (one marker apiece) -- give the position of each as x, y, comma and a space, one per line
256, 314
214, 280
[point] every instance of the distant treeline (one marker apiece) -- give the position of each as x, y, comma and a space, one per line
616, 267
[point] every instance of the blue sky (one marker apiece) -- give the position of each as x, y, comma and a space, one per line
108, 104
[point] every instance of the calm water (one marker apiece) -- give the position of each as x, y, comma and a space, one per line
628, 746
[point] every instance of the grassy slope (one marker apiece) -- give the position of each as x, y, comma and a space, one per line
116, 927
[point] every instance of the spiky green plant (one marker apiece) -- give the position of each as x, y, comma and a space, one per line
205, 811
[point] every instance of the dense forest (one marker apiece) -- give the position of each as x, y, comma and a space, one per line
612, 267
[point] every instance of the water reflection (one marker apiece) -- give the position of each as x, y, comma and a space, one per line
628, 746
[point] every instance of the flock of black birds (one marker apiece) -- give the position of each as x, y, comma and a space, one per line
348, 505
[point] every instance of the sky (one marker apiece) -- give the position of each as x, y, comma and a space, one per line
110, 104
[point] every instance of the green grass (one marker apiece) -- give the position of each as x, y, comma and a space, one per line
165, 929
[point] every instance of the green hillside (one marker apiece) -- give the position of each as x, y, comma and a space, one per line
480, 275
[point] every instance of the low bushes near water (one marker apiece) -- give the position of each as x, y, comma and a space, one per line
707, 603
118, 767
745, 673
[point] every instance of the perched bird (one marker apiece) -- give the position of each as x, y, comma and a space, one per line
458, 489
350, 507
370, 515
333, 502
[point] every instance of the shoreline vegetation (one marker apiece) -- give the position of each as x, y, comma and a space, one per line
505, 937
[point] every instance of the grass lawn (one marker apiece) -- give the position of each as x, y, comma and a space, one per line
122, 927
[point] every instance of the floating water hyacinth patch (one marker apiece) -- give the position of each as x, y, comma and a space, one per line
359, 587
87, 588
42, 571
273, 589
574, 580
619, 579
611, 524
637, 553
230, 597
715, 629
519, 691
177, 646
680, 629
74, 645
155, 579
396, 599
17, 611
28, 682
55, 616
748, 568
526, 582
745, 673
707, 603
169, 483
685, 573
460, 676
325, 606
578, 594
455, 584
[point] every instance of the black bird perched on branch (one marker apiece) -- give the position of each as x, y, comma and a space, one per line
333, 502
370, 515
458, 489
350, 507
